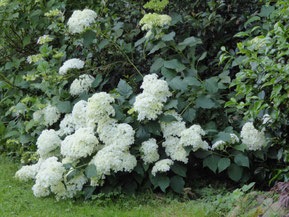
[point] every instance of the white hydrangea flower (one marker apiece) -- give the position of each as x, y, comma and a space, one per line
79, 114
252, 138
80, 144
70, 188
149, 104
79, 20
47, 142
111, 158
175, 150
99, 107
81, 85
71, 64
162, 166
154, 20
37, 115
44, 39
51, 115
234, 138
193, 137
34, 58
149, 149
173, 128
219, 145
50, 173
67, 125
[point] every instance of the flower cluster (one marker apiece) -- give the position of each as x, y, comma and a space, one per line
154, 20
162, 166
81, 85
150, 151
44, 39
220, 144
80, 20
49, 115
34, 58
252, 138
71, 64
47, 142
149, 103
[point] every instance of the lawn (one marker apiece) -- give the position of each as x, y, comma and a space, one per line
17, 199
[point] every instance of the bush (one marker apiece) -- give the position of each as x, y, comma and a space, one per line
95, 66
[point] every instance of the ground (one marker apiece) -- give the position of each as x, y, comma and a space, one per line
16, 199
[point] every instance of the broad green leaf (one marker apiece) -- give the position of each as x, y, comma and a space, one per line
203, 56
235, 172
72, 174
189, 115
167, 118
242, 160
64, 107
88, 191
26, 40
266, 11
142, 134
157, 65
178, 84
226, 137
211, 162
163, 182
241, 147
169, 37
192, 81
90, 171
102, 44
179, 169
223, 164
204, 102
191, 41
124, 89
211, 84
169, 74
171, 104
88, 37
175, 64
177, 183
43, 67
157, 47
97, 81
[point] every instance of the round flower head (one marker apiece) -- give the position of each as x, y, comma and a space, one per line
80, 20
173, 128
252, 138
80, 144
47, 142
51, 115
81, 85
71, 64
193, 137
174, 149
219, 145
149, 149
154, 20
162, 166
79, 114
28, 172
67, 125
99, 107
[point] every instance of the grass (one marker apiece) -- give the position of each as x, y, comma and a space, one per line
17, 199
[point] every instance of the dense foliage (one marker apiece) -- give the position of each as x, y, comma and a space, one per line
53, 67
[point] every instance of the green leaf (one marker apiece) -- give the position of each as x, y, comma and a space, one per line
167, 118
251, 20
189, 115
242, 160
223, 164
88, 191
211, 84
211, 162
235, 172
241, 34
124, 89
203, 56
177, 184
178, 84
64, 106
102, 44
175, 64
97, 81
179, 169
88, 37
266, 10
157, 65
169, 37
163, 182
226, 137
72, 174
26, 40
241, 147
171, 104
191, 41
204, 102
90, 171
169, 74
157, 47
142, 134
43, 67
153, 127
192, 81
